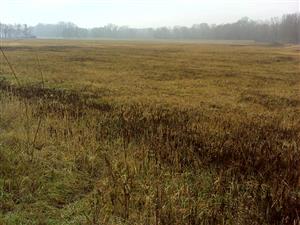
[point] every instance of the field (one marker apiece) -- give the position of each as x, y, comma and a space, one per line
136, 132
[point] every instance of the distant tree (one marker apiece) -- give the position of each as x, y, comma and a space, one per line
290, 28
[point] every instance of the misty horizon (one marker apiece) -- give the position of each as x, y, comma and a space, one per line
285, 29
266, 20
141, 14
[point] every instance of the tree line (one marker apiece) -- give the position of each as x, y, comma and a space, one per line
15, 31
285, 29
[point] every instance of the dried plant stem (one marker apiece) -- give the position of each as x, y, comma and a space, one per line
27, 127
37, 130
11, 67
41, 71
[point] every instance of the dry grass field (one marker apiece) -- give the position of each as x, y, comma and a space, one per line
135, 132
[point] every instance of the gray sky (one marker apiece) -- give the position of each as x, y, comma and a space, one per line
141, 13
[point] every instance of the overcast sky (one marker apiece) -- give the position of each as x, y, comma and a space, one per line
141, 13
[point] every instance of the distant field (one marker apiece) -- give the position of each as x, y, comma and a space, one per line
136, 132
227, 76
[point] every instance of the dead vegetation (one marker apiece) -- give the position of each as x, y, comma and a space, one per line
96, 161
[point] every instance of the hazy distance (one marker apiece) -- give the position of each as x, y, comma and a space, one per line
142, 13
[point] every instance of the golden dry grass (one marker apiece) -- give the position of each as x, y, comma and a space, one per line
150, 133
184, 74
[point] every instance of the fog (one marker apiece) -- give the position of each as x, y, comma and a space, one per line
276, 30
142, 13
258, 20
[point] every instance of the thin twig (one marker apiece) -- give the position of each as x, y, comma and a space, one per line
41, 71
37, 130
11, 67
43, 86
25, 102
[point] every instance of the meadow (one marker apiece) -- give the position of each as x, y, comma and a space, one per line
140, 132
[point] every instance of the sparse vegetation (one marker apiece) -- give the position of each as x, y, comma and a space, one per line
149, 133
